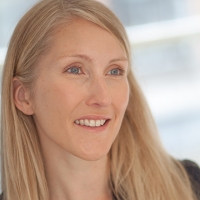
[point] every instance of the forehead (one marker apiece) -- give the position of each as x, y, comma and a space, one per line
83, 35
81, 27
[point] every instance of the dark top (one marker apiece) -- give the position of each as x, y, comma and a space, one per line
193, 171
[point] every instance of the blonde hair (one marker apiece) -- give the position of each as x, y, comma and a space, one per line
139, 167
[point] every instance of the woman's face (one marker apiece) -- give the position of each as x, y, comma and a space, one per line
82, 91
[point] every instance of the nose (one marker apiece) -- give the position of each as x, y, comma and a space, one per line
99, 93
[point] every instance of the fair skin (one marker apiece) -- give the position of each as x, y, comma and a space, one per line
78, 104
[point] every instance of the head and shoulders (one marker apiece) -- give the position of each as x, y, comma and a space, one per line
69, 97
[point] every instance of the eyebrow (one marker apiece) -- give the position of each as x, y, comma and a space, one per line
87, 58
84, 57
119, 59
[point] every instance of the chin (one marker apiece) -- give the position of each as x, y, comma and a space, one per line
93, 155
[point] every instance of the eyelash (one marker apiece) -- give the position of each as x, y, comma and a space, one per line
74, 66
121, 71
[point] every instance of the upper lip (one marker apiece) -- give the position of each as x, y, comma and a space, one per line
94, 117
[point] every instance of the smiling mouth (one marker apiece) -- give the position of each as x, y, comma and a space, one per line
91, 123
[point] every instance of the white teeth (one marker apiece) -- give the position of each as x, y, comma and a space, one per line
103, 122
91, 123
77, 122
87, 123
98, 122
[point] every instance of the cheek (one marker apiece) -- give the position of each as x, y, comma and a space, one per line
53, 104
56, 97
121, 96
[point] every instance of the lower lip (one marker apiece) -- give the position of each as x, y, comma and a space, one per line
94, 128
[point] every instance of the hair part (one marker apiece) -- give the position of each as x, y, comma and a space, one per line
140, 168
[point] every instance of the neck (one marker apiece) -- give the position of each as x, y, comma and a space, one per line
72, 178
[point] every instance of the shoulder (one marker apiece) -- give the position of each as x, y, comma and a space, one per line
192, 169
193, 172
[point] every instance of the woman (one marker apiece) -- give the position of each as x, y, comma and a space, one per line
75, 124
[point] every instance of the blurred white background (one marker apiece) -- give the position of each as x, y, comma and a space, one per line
165, 39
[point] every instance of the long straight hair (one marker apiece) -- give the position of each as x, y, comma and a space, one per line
140, 168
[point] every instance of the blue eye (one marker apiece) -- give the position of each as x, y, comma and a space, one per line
115, 72
74, 70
